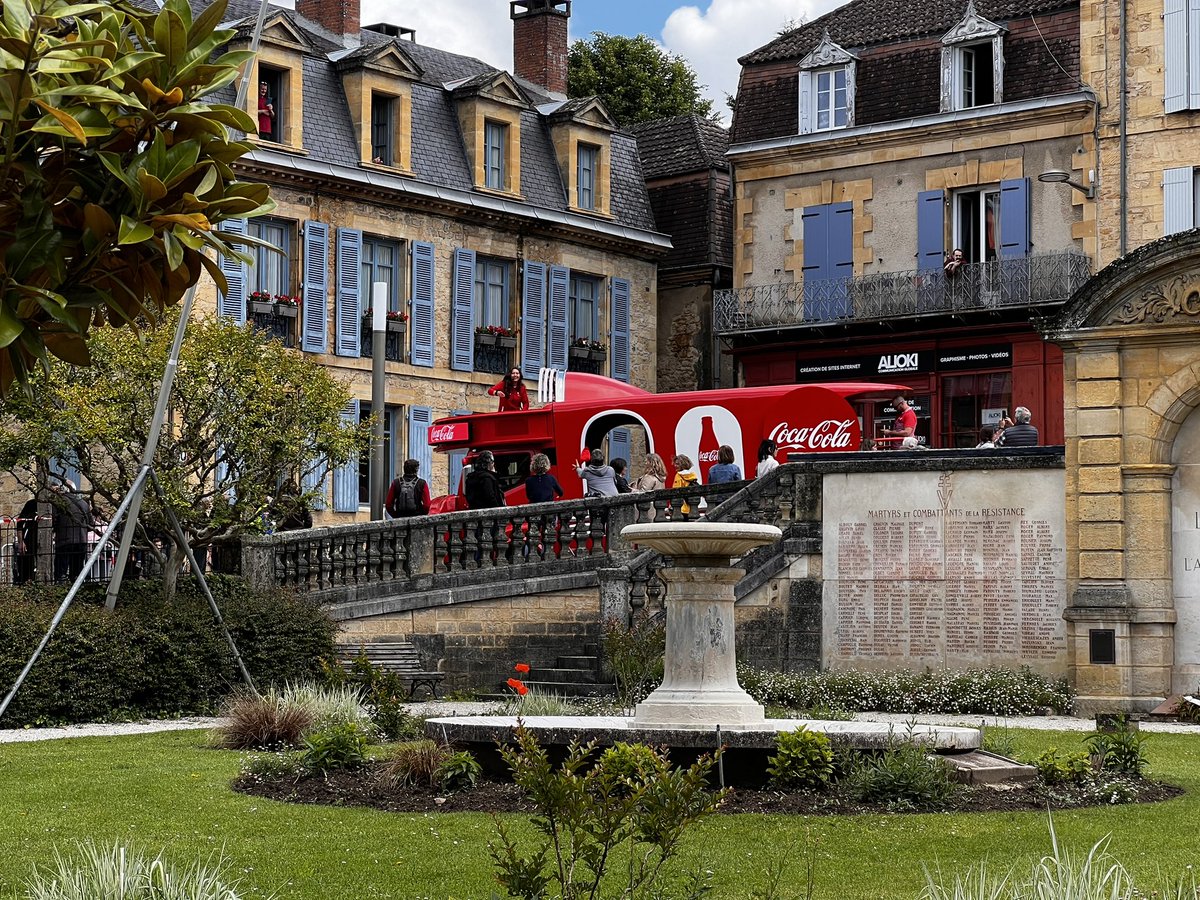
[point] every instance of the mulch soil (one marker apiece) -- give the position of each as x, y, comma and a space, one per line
366, 788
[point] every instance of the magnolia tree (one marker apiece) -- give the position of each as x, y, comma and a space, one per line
114, 168
252, 431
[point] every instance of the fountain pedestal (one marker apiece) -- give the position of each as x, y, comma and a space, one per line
700, 687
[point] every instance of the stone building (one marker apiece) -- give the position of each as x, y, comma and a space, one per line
506, 221
688, 179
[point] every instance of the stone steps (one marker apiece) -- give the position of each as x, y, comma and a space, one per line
983, 767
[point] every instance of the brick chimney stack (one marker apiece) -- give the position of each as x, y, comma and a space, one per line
341, 18
540, 42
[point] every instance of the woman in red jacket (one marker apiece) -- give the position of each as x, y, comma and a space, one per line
511, 392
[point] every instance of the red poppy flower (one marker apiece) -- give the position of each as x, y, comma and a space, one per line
523, 668
518, 686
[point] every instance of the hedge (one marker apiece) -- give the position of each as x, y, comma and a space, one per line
149, 658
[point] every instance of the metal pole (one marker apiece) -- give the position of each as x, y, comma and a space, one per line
212, 603
378, 349
138, 483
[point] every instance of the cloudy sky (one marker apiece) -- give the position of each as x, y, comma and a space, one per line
710, 34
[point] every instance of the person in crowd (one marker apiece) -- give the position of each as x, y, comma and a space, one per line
684, 477
766, 458
619, 466
291, 513
726, 470
511, 391
910, 443
72, 519
954, 263
266, 113
25, 560
541, 486
1004, 424
987, 436
906, 420
408, 495
599, 480
1021, 434
482, 485
654, 478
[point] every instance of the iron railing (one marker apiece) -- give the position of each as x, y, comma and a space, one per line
1023, 282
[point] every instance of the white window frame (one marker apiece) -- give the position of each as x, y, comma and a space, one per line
828, 92
973, 31
825, 61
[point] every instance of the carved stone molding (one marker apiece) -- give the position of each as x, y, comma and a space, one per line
826, 54
1175, 301
973, 27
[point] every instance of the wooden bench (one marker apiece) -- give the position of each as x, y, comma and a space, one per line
397, 657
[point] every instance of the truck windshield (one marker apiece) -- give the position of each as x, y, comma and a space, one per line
512, 469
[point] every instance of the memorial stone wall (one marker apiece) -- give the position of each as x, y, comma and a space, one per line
950, 568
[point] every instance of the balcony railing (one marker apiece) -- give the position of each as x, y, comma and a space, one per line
1030, 281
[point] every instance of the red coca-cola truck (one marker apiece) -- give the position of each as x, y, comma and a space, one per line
579, 411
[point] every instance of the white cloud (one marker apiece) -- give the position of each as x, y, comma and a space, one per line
713, 40
466, 27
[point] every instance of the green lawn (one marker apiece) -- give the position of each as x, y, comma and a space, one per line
166, 790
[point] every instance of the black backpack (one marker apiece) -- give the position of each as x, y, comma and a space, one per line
406, 499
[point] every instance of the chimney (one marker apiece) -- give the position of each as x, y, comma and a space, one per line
540, 42
341, 18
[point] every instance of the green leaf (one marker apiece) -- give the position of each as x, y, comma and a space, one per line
66, 124
174, 250
133, 231
130, 62
170, 36
10, 326
18, 19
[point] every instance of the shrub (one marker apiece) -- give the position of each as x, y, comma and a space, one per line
329, 704
261, 722
415, 762
1007, 692
1057, 767
802, 759
634, 654
1119, 751
383, 693
628, 765
903, 776
393, 720
336, 747
274, 766
126, 873
458, 770
148, 657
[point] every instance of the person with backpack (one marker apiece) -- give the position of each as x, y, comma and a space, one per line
408, 496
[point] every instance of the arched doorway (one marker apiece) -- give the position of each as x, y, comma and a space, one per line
1185, 554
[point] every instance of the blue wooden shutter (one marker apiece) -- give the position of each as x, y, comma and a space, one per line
422, 304
619, 350
806, 104
533, 319
1177, 53
556, 345
419, 420
345, 476
316, 478
226, 477
349, 276
931, 231
66, 467
814, 222
315, 289
619, 444
1179, 212
1014, 218
1193, 54
455, 458
232, 303
462, 312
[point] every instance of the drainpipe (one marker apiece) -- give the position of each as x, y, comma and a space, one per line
1123, 151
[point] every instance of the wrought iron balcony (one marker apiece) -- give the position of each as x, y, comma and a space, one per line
1033, 282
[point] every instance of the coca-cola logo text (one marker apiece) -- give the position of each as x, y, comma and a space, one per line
708, 456
444, 434
828, 435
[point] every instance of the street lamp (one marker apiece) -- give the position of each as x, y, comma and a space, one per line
1058, 176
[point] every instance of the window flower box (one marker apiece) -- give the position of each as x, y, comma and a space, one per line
287, 310
396, 326
262, 307
597, 355
579, 352
485, 339
506, 340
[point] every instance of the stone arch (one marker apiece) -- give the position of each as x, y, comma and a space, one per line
1173, 401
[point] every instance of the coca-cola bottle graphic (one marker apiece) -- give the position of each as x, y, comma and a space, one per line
706, 456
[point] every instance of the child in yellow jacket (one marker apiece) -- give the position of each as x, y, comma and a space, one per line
683, 478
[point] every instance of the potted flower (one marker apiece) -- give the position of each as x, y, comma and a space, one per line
485, 336
505, 337
394, 321
286, 306
262, 303
597, 351
579, 349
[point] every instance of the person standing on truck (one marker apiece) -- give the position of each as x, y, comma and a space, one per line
511, 391
599, 480
409, 495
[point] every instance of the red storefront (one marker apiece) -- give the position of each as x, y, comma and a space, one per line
959, 383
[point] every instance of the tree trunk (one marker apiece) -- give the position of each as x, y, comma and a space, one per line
171, 569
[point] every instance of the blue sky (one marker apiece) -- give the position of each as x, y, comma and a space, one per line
709, 34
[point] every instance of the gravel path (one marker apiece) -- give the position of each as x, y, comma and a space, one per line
465, 708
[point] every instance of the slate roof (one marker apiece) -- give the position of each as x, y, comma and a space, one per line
863, 23
680, 144
438, 155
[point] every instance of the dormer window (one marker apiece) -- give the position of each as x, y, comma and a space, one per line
586, 176
495, 149
827, 88
972, 63
383, 129
272, 103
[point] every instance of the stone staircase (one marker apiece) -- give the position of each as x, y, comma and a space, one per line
571, 676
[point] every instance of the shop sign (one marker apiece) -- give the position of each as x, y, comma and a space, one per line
997, 356
884, 363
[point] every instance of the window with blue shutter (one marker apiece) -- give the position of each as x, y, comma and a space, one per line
66, 467
347, 304
462, 311
620, 445
828, 260
455, 458
619, 355
225, 475
931, 230
1015, 238
1177, 55
422, 304
232, 303
315, 290
1179, 206
315, 479
559, 324
419, 420
533, 319
345, 476
805, 102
